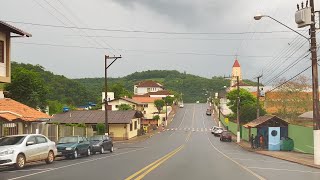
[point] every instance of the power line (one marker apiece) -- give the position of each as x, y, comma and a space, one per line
289, 79
144, 31
59, 12
140, 50
287, 68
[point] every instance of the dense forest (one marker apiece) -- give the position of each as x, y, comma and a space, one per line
193, 88
37, 87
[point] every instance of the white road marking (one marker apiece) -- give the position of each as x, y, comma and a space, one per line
171, 129
267, 161
240, 165
32, 174
290, 170
26, 170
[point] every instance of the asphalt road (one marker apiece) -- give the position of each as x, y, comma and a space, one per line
187, 150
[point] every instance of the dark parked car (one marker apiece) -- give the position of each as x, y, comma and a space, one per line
73, 146
100, 143
208, 112
226, 136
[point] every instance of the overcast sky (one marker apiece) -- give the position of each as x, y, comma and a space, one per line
205, 51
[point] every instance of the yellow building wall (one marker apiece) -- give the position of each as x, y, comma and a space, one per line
134, 132
122, 131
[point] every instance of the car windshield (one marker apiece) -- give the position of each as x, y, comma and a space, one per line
14, 140
96, 138
66, 140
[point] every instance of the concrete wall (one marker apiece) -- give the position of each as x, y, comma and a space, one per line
302, 138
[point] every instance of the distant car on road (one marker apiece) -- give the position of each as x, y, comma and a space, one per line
73, 146
197, 102
217, 131
208, 112
226, 136
213, 129
181, 105
100, 143
18, 150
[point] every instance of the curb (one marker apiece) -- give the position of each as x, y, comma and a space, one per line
279, 157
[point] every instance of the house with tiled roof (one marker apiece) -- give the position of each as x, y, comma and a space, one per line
144, 87
16, 118
136, 105
123, 125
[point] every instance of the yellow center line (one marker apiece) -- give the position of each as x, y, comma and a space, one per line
158, 164
155, 162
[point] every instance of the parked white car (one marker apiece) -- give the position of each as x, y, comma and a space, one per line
18, 150
217, 131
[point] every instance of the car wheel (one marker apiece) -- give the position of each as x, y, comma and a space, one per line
111, 149
20, 161
50, 158
75, 154
88, 152
101, 150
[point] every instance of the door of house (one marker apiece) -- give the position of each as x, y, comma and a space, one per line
274, 139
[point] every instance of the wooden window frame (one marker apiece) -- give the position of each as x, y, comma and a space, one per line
2, 55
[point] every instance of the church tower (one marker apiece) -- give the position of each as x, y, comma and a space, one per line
236, 71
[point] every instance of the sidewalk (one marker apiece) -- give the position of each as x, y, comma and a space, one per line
296, 157
300, 158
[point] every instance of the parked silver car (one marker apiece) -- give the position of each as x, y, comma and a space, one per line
17, 150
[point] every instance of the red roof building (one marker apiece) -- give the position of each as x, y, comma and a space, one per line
149, 83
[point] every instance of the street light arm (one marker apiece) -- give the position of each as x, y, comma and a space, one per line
286, 26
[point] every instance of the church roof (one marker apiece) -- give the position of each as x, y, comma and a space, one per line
236, 63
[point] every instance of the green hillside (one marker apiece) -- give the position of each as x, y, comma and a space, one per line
193, 87
57, 87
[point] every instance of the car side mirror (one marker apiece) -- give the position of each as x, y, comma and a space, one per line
30, 143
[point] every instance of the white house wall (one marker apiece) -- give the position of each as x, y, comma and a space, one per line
119, 102
144, 90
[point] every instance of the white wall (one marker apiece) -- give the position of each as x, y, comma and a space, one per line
3, 70
118, 102
110, 96
144, 90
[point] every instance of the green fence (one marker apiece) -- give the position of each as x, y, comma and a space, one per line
302, 138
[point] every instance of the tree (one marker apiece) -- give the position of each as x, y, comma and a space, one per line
119, 90
292, 98
169, 100
156, 117
55, 107
124, 107
159, 104
248, 105
28, 88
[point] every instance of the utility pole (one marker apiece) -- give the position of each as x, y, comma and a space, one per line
315, 86
258, 97
238, 110
106, 66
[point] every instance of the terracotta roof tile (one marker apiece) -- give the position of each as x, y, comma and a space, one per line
10, 108
149, 83
145, 99
4, 25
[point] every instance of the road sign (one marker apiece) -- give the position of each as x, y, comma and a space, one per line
226, 120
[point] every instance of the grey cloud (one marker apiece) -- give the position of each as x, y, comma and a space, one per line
182, 12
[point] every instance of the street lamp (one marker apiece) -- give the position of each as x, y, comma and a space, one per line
315, 85
259, 17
